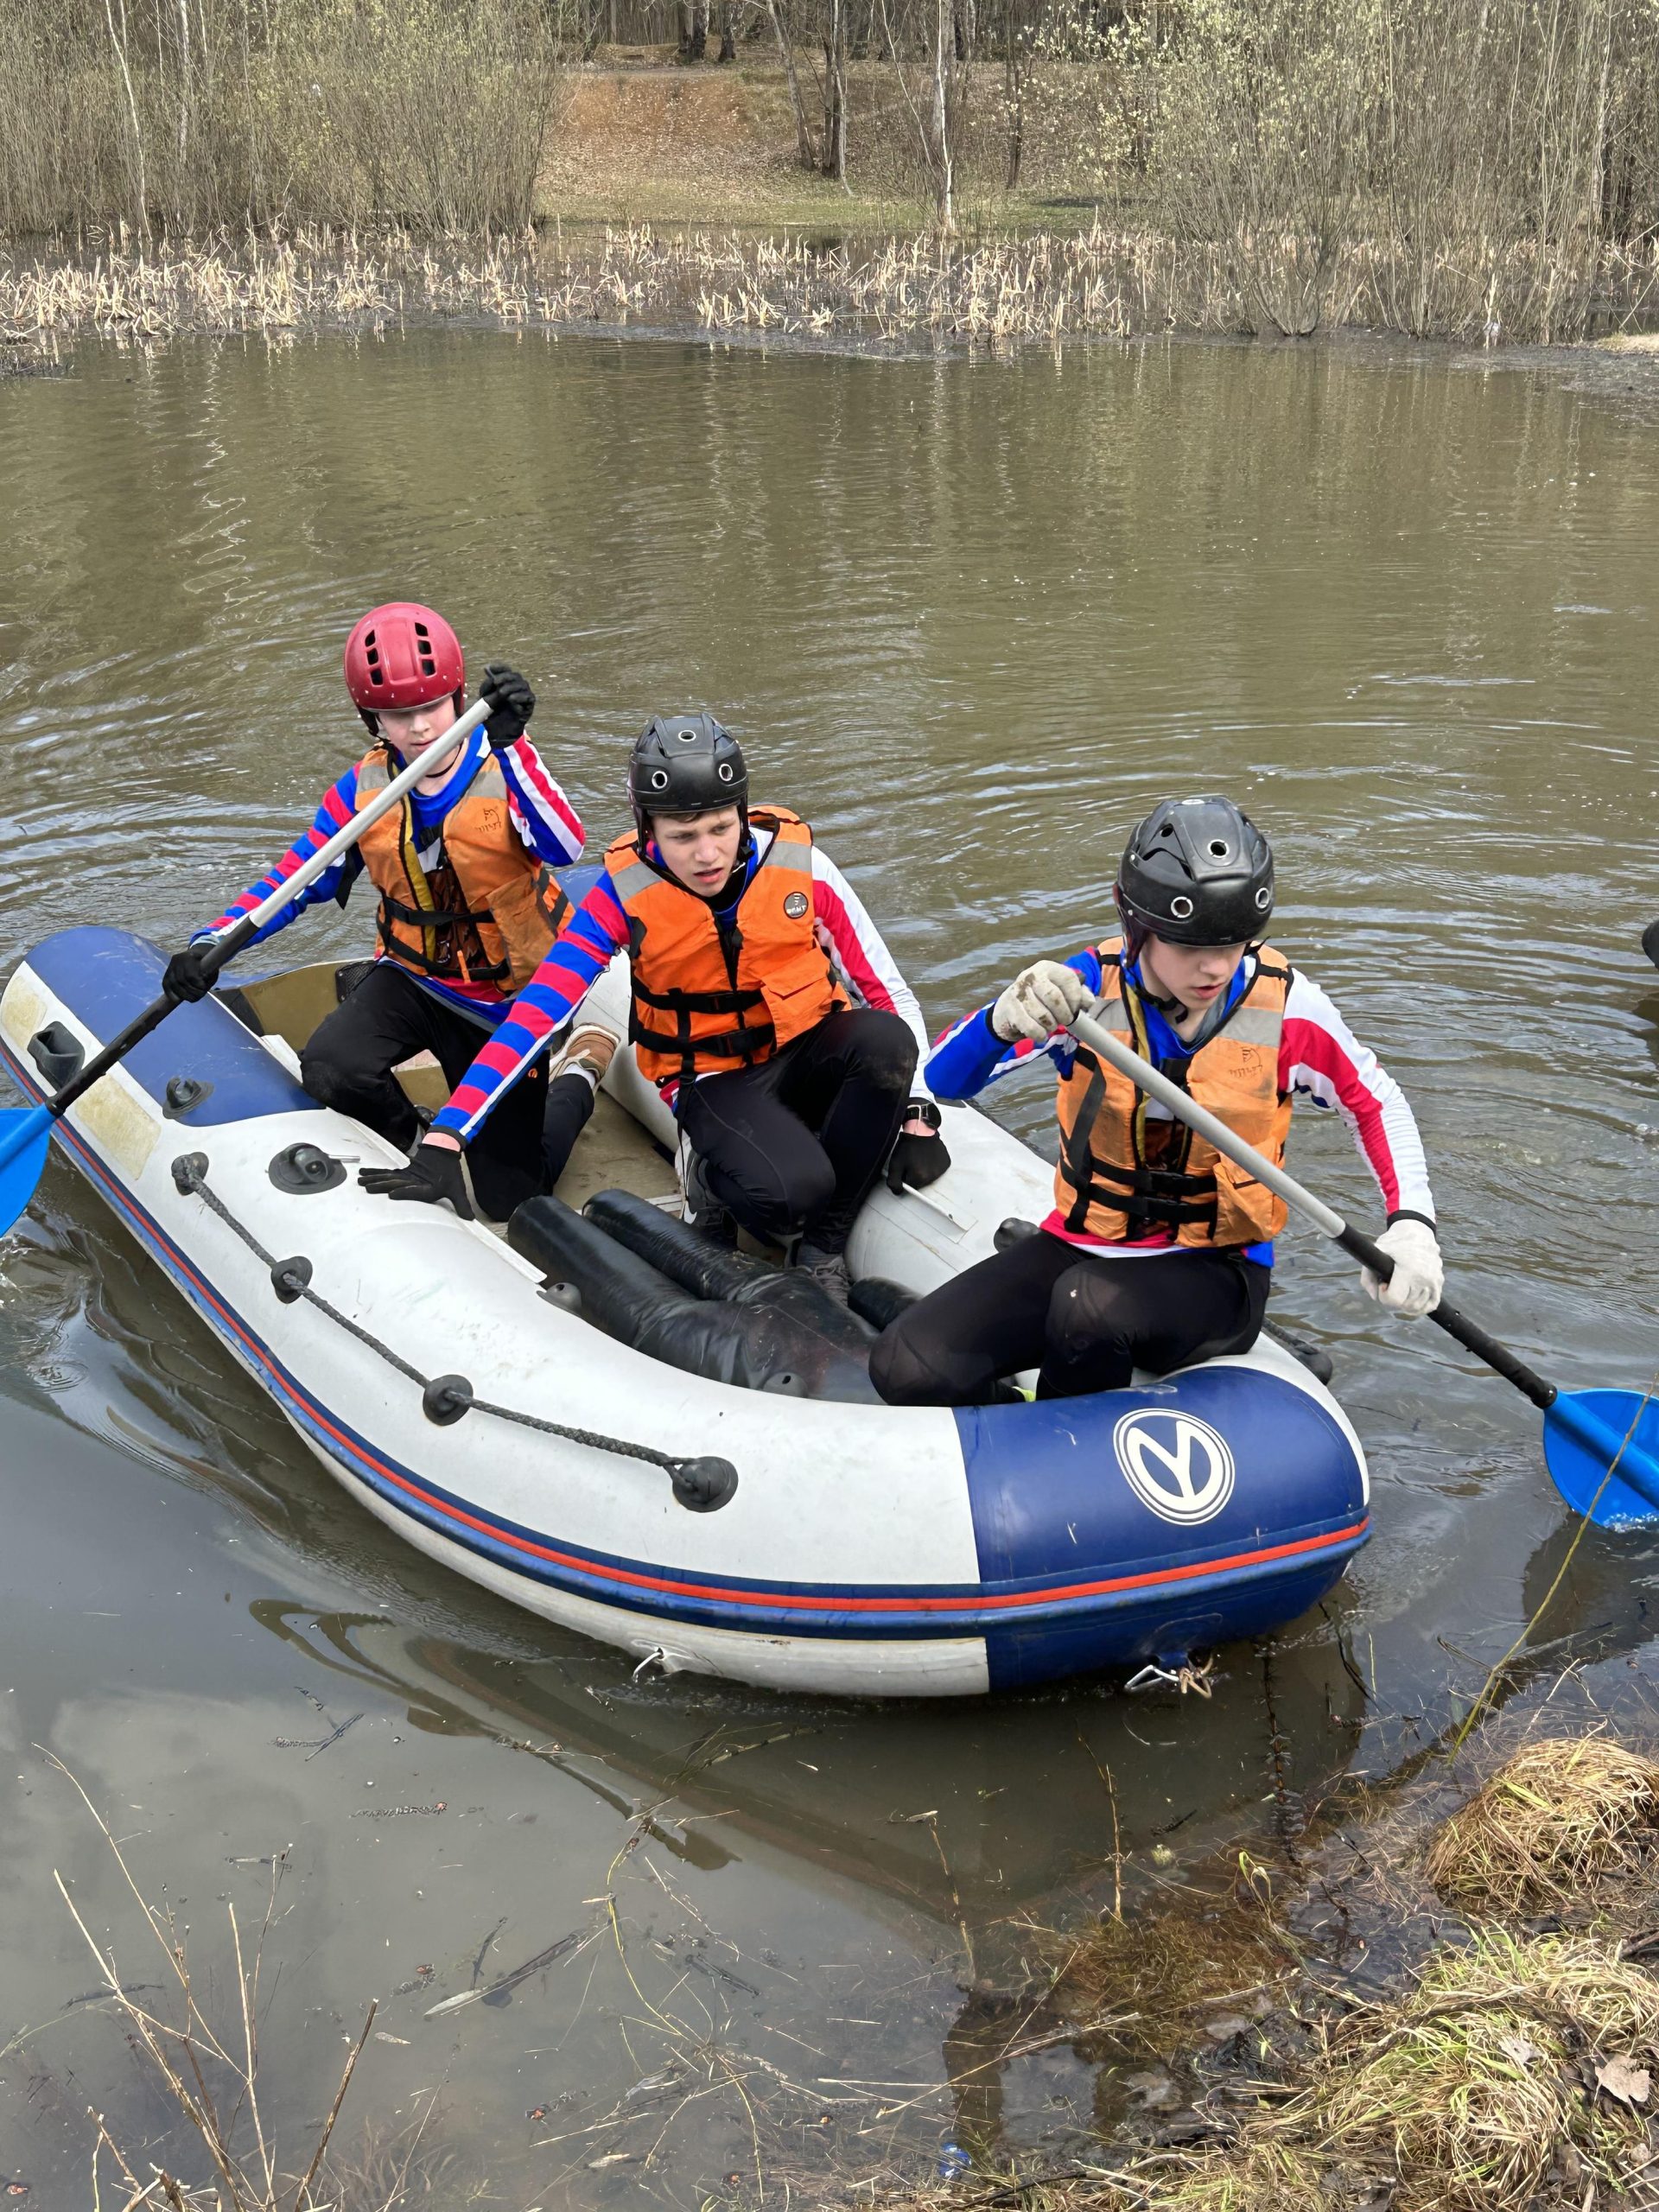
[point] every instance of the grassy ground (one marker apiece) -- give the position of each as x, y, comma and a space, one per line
649, 142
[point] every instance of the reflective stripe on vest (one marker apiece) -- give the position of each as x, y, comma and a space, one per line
707, 999
1122, 1175
487, 911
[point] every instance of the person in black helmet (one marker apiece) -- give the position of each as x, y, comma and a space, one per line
1159, 1251
766, 1008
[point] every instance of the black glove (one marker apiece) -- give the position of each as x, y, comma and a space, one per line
435, 1176
182, 980
917, 1159
512, 703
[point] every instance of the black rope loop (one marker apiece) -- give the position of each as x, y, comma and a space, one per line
701, 1484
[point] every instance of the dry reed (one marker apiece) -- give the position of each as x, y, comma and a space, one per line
893, 293
211, 2076
1560, 1816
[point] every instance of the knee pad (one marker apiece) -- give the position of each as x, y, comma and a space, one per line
327, 1082
777, 1212
886, 1048
1084, 1309
900, 1375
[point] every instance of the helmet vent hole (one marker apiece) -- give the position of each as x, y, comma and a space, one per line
725, 772
1263, 899
659, 779
1181, 909
1218, 849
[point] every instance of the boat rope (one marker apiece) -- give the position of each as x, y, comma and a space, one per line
701, 1483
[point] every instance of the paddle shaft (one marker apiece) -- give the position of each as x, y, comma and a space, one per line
1325, 1219
225, 949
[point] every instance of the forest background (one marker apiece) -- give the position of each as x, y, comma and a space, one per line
1477, 168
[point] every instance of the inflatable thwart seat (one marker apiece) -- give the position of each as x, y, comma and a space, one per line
672, 1451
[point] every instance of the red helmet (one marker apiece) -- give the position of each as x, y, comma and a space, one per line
401, 656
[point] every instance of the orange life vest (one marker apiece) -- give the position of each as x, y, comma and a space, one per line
707, 998
1123, 1176
489, 910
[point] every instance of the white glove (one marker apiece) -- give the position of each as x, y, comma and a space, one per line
1418, 1275
1040, 1000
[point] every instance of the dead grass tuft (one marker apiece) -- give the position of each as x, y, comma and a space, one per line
1491, 2075
1162, 1974
1560, 1816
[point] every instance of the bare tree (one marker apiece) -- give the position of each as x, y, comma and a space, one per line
804, 151
832, 92
933, 105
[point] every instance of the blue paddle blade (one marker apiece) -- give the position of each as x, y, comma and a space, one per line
1602, 1447
25, 1140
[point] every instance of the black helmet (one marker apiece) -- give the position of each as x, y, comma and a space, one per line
1197, 871
685, 763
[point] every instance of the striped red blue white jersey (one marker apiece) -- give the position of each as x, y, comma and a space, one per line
598, 930
1320, 1060
536, 807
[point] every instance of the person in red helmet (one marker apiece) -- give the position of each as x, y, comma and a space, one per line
468, 902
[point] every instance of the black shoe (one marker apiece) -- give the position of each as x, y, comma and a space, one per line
828, 1270
700, 1209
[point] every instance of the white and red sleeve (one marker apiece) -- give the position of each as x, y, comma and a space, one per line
856, 945
541, 813
1321, 1059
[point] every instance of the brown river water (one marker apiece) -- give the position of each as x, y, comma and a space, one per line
972, 619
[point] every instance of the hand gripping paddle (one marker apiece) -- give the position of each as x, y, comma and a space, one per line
1601, 1446
26, 1131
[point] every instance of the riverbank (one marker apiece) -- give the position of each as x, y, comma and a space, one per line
1462, 2017
892, 291
1376, 2014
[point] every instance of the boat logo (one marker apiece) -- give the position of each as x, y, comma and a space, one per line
1177, 1466
795, 904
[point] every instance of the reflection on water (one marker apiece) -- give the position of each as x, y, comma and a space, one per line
972, 619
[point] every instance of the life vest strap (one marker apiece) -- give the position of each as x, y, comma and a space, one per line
439, 920
675, 1002
1143, 1194
746, 1043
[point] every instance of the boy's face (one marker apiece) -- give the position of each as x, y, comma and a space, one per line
700, 850
1194, 973
411, 730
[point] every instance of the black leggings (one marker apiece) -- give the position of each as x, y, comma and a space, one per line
387, 1018
1085, 1322
796, 1142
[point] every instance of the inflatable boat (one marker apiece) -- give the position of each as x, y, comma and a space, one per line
669, 1447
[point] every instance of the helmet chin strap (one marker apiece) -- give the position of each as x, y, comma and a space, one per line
1165, 1006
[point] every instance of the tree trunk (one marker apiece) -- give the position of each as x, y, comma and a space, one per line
1016, 63
798, 107
727, 34
835, 93
119, 40
693, 29
944, 166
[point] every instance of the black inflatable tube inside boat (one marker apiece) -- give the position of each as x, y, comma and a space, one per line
762, 1346
708, 1270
